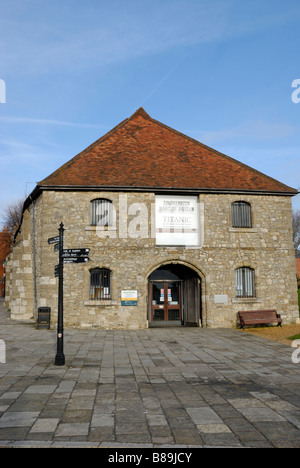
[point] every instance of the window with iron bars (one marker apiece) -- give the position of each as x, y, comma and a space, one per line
101, 212
241, 214
100, 284
245, 282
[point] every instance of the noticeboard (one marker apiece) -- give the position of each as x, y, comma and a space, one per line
129, 297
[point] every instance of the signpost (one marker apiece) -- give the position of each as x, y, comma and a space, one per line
76, 259
60, 357
53, 240
65, 256
76, 253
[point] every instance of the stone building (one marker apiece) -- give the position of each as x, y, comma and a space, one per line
5, 243
298, 268
178, 234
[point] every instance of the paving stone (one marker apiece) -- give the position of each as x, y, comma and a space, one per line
260, 414
76, 416
45, 425
157, 420
18, 419
155, 387
3, 408
245, 403
36, 389
10, 395
204, 416
213, 428
103, 420
73, 429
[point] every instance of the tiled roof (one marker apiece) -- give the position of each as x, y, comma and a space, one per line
141, 152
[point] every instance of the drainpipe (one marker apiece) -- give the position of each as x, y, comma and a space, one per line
34, 257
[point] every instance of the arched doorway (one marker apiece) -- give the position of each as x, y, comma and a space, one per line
174, 296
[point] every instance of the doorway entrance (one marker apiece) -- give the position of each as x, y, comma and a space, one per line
166, 302
174, 297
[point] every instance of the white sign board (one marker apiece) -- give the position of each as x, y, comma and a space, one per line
129, 298
221, 299
177, 220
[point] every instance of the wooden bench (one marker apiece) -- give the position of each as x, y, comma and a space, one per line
255, 317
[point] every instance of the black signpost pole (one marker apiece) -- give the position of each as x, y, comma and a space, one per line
80, 255
60, 357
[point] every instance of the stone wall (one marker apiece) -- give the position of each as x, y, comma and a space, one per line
20, 274
128, 249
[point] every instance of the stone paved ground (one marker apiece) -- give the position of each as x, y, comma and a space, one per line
149, 388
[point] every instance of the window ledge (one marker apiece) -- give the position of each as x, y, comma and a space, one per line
100, 228
245, 300
232, 229
100, 303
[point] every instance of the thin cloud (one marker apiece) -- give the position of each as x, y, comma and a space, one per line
255, 130
106, 37
101, 35
18, 154
28, 120
160, 83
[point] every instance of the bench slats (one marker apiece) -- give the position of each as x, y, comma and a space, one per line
253, 317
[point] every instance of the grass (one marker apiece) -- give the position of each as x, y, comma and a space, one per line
294, 337
285, 334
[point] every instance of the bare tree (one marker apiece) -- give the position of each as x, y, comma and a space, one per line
12, 216
296, 229
5, 244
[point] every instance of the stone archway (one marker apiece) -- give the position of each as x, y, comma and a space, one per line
174, 296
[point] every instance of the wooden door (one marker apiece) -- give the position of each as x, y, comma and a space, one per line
192, 302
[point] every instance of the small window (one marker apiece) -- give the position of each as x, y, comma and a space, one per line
241, 214
245, 282
101, 212
100, 284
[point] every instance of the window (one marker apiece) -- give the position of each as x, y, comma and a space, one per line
241, 214
100, 284
245, 282
101, 212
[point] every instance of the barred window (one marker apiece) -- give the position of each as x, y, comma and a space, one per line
100, 284
245, 282
241, 214
101, 212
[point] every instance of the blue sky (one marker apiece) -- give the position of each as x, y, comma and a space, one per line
220, 71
